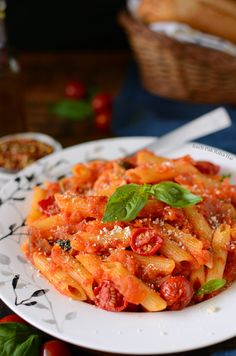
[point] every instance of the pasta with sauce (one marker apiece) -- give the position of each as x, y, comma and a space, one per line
145, 233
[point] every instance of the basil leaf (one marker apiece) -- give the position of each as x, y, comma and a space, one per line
64, 244
72, 109
224, 176
19, 340
174, 194
128, 200
211, 286
125, 203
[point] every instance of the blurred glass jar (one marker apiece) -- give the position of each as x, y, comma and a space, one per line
12, 117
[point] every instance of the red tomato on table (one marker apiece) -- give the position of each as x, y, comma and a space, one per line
13, 318
103, 121
55, 348
75, 90
101, 102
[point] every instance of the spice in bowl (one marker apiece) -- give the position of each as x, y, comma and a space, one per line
16, 154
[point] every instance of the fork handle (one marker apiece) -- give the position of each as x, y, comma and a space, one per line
207, 124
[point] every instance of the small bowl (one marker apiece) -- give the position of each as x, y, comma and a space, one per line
6, 174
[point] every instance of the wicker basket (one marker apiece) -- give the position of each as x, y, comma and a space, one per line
179, 70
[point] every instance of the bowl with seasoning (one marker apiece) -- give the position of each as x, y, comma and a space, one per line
18, 151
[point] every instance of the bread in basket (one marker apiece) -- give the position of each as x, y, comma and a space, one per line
178, 70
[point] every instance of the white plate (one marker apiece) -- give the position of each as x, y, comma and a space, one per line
83, 324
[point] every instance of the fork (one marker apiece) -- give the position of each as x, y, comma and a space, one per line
204, 125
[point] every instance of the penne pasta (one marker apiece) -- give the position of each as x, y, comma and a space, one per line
200, 225
154, 265
220, 245
35, 213
59, 279
171, 249
145, 157
82, 172
198, 277
160, 264
134, 290
92, 263
191, 244
49, 223
90, 242
75, 270
154, 173
85, 207
139, 233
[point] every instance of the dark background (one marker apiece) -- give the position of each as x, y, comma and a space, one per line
46, 25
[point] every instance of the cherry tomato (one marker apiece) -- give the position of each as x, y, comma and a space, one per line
101, 102
103, 121
233, 194
12, 318
177, 291
145, 241
49, 206
206, 167
75, 90
55, 348
230, 268
109, 298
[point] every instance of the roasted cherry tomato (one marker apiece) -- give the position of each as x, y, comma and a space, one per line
233, 194
109, 298
206, 167
75, 90
101, 102
177, 291
55, 348
230, 269
103, 121
48, 206
12, 318
145, 241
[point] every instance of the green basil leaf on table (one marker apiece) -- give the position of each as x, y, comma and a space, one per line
72, 109
174, 194
125, 203
19, 340
211, 286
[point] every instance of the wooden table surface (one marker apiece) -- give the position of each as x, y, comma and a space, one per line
25, 101
41, 83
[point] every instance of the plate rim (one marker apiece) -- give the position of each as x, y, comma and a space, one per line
84, 345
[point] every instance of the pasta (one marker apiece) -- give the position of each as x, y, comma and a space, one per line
144, 233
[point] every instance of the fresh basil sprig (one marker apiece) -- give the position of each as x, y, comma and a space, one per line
72, 109
174, 195
125, 203
211, 286
17, 339
129, 199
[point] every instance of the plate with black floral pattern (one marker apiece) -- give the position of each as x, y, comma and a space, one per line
27, 293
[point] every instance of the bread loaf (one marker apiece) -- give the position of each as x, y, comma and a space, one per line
216, 17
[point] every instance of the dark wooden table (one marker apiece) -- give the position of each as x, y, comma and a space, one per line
25, 101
